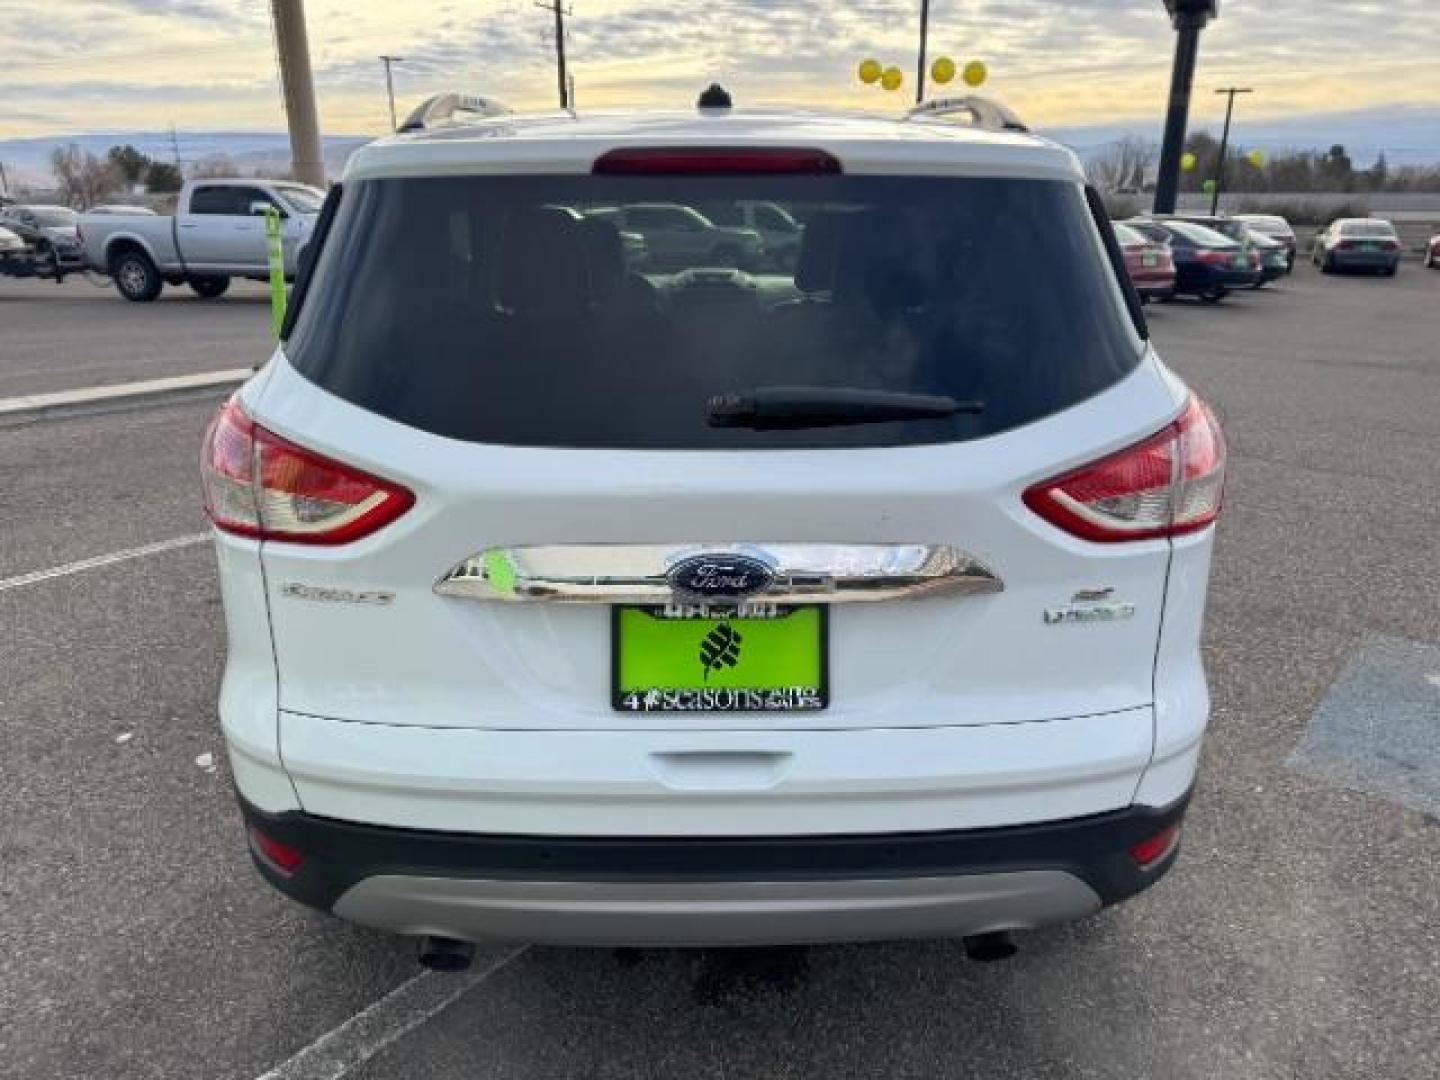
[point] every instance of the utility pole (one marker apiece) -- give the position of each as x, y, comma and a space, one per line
175, 147
1231, 91
924, 34
561, 76
390, 86
1189, 18
292, 49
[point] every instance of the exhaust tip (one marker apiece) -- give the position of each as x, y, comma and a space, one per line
445, 954
988, 948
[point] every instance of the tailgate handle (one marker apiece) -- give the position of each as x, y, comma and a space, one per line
720, 770
790, 573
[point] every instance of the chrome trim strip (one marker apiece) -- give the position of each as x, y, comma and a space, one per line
636, 573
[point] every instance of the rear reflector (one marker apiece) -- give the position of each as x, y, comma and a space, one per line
1169, 484
258, 484
714, 161
1148, 852
281, 856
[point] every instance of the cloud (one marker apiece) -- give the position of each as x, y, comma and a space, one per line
102, 62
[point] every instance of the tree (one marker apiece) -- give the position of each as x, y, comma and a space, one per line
1122, 165
82, 178
129, 163
1378, 173
1337, 171
162, 178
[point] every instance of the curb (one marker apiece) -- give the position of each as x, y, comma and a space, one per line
90, 400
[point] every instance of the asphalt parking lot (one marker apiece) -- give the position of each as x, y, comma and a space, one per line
1299, 936
61, 337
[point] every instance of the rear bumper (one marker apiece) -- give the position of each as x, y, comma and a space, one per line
1197, 277
1365, 258
715, 890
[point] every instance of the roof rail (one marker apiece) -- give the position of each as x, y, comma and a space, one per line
972, 109
443, 110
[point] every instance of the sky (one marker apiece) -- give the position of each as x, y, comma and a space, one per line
74, 66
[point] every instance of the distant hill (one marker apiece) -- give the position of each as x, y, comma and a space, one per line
1408, 134
252, 151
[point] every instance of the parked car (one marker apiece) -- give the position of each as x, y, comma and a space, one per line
1275, 227
10, 243
1432, 253
1272, 257
678, 236
49, 231
779, 232
1207, 264
217, 232
577, 604
1358, 243
1148, 262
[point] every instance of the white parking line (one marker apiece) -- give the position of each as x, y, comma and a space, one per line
27, 404
97, 561
375, 1027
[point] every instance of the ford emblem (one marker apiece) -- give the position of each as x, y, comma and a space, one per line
720, 576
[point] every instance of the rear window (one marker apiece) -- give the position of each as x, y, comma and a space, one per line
1199, 235
515, 310
1269, 224
1366, 228
1127, 236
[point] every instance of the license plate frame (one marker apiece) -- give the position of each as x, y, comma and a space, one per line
650, 682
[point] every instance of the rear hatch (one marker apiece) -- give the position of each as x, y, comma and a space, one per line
489, 346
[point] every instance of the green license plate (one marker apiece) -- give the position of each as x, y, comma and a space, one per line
698, 658
1149, 259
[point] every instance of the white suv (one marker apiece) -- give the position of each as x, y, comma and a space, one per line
573, 603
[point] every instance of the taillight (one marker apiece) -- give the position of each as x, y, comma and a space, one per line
1150, 851
715, 161
1213, 258
1169, 484
278, 854
1345, 245
258, 484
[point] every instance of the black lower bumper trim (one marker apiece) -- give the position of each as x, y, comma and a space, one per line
339, 854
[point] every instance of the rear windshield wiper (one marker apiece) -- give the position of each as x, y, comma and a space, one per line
771, 407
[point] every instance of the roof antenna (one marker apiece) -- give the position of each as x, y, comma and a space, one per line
714, 96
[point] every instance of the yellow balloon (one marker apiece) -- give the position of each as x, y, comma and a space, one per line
870, 72
1188, 161
891, 78
943, 70
975, 73
1256, 158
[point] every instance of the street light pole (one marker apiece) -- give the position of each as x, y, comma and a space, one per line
292, 47
561, 74
1231, 91
390, 86
924, 34
1189, 18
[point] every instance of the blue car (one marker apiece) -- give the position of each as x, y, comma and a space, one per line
1208, 264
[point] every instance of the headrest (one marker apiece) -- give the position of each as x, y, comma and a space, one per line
604, 255
543, 263
819, 249
878, 263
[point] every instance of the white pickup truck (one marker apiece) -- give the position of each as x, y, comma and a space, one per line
217, 232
